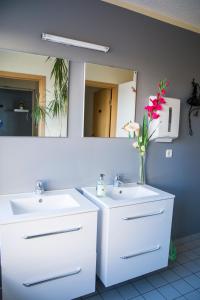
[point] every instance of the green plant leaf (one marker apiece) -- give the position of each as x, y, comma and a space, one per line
58, 105
38, 112
145, 131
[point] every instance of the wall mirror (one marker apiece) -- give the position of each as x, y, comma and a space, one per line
33, 95
110, 99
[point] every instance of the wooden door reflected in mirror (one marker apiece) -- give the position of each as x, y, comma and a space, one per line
110, 95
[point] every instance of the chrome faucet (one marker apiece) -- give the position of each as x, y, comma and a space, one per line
39, 187
117, 182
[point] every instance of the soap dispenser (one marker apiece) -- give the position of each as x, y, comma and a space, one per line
100, 189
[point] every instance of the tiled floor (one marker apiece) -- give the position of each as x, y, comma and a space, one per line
181, 280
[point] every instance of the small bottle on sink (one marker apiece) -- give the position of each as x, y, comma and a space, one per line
100, 188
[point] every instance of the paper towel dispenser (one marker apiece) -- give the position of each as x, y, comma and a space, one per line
166, 128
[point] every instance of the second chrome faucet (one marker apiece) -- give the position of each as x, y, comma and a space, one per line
117, 182
39, 187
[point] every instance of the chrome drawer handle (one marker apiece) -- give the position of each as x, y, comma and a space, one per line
32, 283
141, 252
27, 237
144, 215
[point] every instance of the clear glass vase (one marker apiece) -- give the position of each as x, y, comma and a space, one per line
142, 179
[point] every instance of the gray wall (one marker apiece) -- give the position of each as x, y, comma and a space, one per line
157, 50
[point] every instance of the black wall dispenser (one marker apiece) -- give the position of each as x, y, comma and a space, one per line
194, 102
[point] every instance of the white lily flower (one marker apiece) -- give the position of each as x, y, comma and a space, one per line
132, 127
135, 145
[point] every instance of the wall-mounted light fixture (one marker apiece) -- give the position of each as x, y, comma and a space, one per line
75, 43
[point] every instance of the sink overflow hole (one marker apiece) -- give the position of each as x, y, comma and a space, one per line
40, 200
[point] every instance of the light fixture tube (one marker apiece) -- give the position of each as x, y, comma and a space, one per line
75, 43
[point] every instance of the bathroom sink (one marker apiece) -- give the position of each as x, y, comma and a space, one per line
126, 194
24, 207
42, 203
129, 193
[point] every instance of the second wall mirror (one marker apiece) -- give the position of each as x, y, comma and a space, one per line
110, 100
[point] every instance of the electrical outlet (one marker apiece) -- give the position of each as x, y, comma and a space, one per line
168, 153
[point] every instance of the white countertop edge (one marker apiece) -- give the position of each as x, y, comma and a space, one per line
35, 217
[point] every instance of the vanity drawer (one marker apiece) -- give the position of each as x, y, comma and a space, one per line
140, 225
47, 248
45, 239
135, 263
66, 283
139, 237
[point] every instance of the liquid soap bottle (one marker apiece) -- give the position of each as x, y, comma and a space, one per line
100, 188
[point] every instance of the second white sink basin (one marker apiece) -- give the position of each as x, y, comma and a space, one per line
129, 193
42, 203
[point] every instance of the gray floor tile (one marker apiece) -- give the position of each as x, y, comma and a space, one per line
157, 280
143, 286
153, 295
127, 291
111, 295
192, 266
182, 258
193, 280
90, 295
173, 265
197, 261
169, 292
195, 295
196, 243
178, 242
139, 298
170, 275
197, 250
182, 271
181, 298
95, 297
182, 248
198, 274
182, 286
191, 246
191, 254
183, 240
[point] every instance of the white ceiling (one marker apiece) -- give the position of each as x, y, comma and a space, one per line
183, 13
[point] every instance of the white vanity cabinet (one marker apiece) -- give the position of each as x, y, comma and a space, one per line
133, 235
49, 258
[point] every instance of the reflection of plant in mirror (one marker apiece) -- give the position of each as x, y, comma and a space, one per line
39, 112
58, 106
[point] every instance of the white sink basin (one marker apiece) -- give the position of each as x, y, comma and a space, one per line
42, 203
24, 207
129, 193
